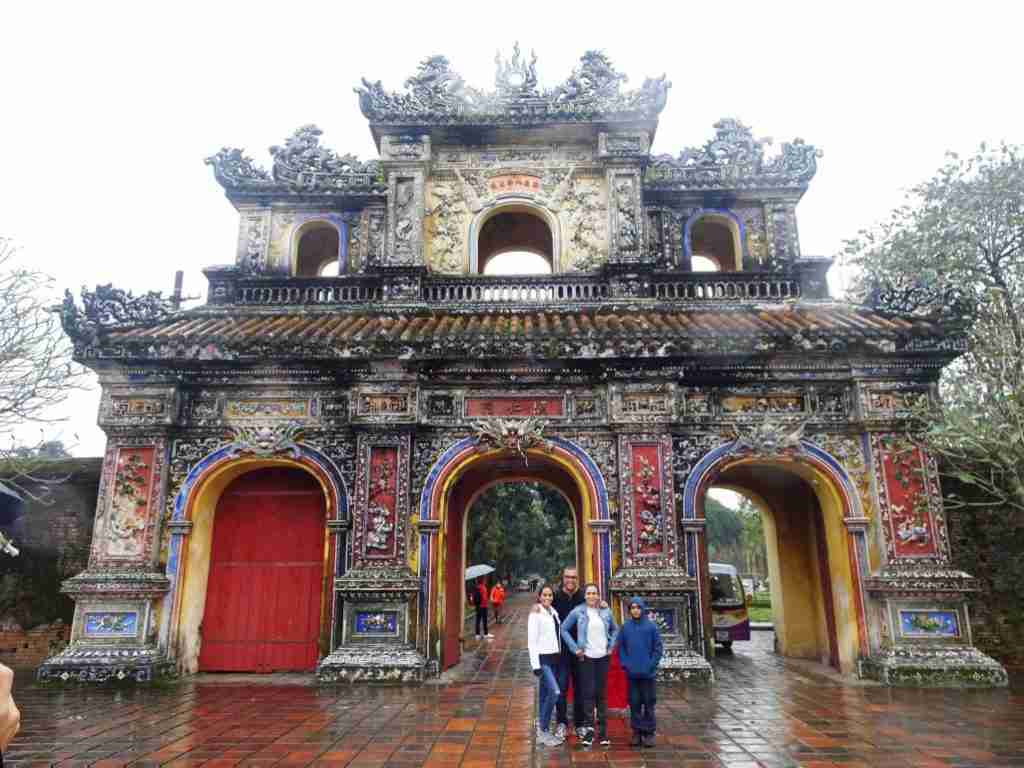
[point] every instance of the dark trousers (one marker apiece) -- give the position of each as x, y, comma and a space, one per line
569, 674
642, 698
481, 616
594, 682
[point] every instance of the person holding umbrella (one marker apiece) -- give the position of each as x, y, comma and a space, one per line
479, 597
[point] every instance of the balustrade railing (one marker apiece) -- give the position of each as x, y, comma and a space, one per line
506, 291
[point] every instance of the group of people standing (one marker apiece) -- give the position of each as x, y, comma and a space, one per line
571, 636
483, 598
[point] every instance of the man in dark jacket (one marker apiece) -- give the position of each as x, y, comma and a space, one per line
640, 651
568, 597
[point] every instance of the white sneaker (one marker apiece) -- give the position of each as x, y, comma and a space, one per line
489, 637
548, 739
560, 731
478, 638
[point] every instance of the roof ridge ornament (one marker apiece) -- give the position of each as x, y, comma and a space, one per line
437, 95
734, 159
300, 166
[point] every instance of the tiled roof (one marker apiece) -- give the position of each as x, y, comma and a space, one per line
805, 326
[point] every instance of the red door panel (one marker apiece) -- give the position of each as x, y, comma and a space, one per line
266, 575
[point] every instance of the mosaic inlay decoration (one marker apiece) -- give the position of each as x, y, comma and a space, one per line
665, 619
911, 529
119, 624
922, 623
266, 409
381, 623
128, 508
379, 522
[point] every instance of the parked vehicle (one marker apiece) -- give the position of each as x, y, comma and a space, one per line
729, 618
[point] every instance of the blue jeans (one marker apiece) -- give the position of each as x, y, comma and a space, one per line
547, 696
642, 698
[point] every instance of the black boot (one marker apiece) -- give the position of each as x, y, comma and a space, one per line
636, 739
648, 740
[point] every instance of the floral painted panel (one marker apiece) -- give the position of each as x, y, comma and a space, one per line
921, 623
380, 520
118, 624
128, 509
648, 521
905, 482
382, 623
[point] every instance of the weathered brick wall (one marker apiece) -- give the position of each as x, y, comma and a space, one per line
54, 542
63, 527
988, 543
30, 647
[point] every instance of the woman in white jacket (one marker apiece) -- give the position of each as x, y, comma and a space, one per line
545, 656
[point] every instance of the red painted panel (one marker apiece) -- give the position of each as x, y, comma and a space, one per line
266, 575
514, 406
911, 529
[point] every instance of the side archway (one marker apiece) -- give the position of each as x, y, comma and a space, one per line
191, 529
443, 502
836, 543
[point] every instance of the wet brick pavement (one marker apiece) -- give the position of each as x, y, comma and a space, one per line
763, 711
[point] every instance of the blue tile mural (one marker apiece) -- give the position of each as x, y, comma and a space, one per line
376, 622
121, 624
929, 624
665, 618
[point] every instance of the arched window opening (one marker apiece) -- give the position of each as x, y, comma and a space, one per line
715, 239
515, 242
703, 264
317, 249
518, 262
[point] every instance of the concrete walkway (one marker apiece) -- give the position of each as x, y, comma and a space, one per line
763, 711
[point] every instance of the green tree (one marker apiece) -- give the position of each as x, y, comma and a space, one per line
521, 528
962, 231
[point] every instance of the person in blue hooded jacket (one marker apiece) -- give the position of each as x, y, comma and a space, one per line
640, 651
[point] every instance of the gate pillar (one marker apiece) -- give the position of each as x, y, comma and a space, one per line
377, 635
654, 565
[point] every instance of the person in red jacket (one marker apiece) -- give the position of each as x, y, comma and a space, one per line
497, 600
480, 601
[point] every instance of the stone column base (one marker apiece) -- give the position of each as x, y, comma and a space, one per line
90, 664
372, 664
685, 666
946, 667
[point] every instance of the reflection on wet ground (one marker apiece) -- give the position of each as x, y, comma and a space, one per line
762, 711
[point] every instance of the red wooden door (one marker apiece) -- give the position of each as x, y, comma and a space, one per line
266, 575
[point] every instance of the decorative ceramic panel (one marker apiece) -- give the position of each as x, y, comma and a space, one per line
132, 482
889, 401
648, 507
745, 404
114, 624
385, 405
513, 183
143, 407
908, 494
382, 480
376, 623
485, 407
260, 409
665, 619
643, 404
943, 624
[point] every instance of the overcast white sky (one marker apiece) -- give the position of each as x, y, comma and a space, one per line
109, 109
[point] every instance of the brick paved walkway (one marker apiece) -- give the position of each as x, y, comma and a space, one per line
762, 712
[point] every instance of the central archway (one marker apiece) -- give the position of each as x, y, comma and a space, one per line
458, 477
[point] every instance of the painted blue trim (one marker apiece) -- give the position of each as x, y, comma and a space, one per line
700, 213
